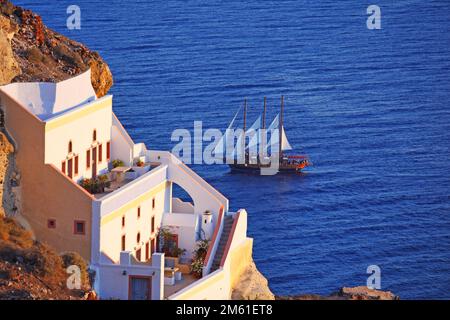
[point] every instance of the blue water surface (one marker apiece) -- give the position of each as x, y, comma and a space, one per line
370, 107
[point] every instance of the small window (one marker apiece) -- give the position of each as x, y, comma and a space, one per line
100, 153
138, 237
51, 223
123, 221
153, 224
70, 146
76, 165
63, 167
79, 227
123, 243
88, 159
139, 212
94, 135
153, 203
108, 151
138, 255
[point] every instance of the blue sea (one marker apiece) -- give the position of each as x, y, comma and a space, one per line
370, 107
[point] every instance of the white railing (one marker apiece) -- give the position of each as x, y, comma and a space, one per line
120, 197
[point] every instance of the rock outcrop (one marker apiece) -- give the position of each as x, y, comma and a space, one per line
6, 170
9, 68
252, 286
345, 293
29, 51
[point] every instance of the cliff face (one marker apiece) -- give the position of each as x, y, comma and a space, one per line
252, 285
6, 172
345, 293
29, 51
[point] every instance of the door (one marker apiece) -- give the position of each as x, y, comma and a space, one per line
140, 288
94, 163
152, 246
70, 168
138, 255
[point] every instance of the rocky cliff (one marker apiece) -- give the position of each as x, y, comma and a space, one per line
355, 293
252, 285
29, 51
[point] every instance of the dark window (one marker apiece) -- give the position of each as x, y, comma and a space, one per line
63, 167
108, 151
70, 146
70, 168
138, 255
100, 153
123, 243
139, 212
153, 224
51, 223
138, 237
76, 165
79, 227
123, 221
147, 251
170, 244
88, 159
153, 203
94, 135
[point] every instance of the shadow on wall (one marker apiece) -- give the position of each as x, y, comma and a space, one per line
9, 177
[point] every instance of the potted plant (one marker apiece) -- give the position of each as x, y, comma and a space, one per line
117, 163
140, 163
199, 258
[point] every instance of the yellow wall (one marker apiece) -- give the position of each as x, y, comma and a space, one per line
241, 257
111, 229
46, 192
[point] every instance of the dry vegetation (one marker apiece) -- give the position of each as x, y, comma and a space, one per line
32, 270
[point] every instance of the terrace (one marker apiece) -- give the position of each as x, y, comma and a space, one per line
116, 178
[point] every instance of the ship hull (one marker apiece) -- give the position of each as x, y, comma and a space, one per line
255, 168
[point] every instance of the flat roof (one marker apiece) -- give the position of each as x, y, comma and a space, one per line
47, 100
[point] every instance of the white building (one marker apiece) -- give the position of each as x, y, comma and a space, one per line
64, 135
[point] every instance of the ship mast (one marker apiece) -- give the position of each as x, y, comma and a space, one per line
245, 113
281, 127
264, 115
245, 128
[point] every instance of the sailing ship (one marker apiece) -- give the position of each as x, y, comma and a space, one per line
258, 155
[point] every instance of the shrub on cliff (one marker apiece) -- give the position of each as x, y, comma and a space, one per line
74, 259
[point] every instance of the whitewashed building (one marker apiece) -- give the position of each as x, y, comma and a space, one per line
64, 135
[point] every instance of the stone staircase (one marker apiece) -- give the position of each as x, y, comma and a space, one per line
228, 223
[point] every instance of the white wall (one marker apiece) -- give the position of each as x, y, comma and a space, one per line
122, 144
185, 226
180, 206
111, 283
217, 285
112, 231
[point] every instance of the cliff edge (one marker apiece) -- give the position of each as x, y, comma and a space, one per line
29, 51
252, 285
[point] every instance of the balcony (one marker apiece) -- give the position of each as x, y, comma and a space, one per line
116, 178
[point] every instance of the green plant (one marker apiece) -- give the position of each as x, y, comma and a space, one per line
117, 163
197, 267
167, 243
96, 185
140, 163
198, 261
177, 252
